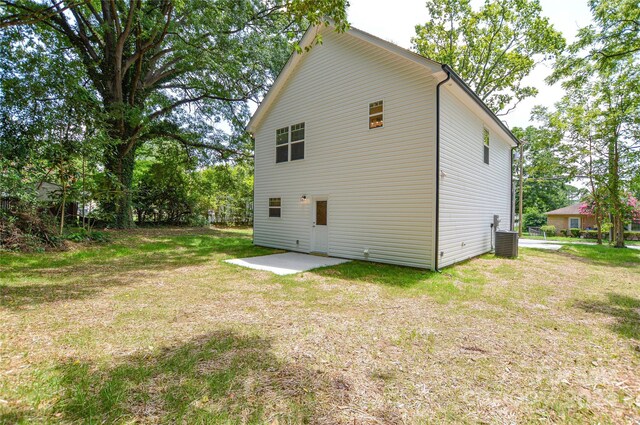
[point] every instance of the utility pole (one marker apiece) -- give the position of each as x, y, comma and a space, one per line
520, 223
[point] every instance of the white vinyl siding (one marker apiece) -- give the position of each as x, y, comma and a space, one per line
471, 191
379, 183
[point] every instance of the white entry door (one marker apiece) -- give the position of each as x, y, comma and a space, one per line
320, 227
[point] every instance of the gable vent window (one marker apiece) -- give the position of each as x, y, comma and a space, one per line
375, 114
485, 136
290, 143
275, 207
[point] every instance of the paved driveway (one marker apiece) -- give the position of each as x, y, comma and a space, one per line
540, 244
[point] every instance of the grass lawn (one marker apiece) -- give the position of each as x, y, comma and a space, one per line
155, 328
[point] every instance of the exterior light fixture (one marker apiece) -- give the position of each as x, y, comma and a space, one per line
303, 198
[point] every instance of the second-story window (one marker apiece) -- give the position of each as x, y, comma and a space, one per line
297, 141
485, 137
290, 143
375, 114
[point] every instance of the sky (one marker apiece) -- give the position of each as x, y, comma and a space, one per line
395, 21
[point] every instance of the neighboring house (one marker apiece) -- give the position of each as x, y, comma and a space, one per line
570, 218
368, 151
48, 195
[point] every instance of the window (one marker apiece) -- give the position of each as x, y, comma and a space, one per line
574, 222
275, 207
282, 144
290, 144
321, 213
485, 136
297, 141
375, 114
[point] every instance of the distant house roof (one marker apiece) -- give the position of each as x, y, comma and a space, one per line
570, 210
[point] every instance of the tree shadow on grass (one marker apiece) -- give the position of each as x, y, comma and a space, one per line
222, 377
84, 273
625, 309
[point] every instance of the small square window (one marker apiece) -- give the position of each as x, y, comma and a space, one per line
275, 207
376, 110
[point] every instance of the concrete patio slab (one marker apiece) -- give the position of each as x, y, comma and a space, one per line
287, 263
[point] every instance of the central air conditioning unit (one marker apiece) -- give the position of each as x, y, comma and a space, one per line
506, 243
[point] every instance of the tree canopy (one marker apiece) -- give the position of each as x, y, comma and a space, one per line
160, 69
492, 48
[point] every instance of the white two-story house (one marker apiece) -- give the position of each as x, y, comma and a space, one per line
365, 150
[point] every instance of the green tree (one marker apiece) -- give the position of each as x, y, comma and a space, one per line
493, 48
226, 188
600, 120
166, 68
613, 36
546, 180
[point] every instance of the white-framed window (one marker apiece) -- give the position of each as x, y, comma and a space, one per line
290, 143
275, 207
376, 112
485, 140
574, 222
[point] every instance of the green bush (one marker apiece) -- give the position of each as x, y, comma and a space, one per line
548, 230
590, 234
84, 235
632, 236
575, 233
564, 232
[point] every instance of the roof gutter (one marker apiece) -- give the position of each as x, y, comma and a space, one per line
436, 238
452, 74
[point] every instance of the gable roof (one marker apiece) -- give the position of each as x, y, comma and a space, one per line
570, 210
436, 69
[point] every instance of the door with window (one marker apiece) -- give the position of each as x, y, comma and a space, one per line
320, 226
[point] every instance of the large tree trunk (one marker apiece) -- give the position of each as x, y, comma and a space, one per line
119, 163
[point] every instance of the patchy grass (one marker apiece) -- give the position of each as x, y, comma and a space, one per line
156, 328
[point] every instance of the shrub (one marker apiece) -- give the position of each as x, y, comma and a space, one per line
548, 230
564, 232
84, 235
28, 230
632, 236
590, 234
575, 233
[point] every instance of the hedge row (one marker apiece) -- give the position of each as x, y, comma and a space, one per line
593, 234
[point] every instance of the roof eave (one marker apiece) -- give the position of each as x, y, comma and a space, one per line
460, 82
